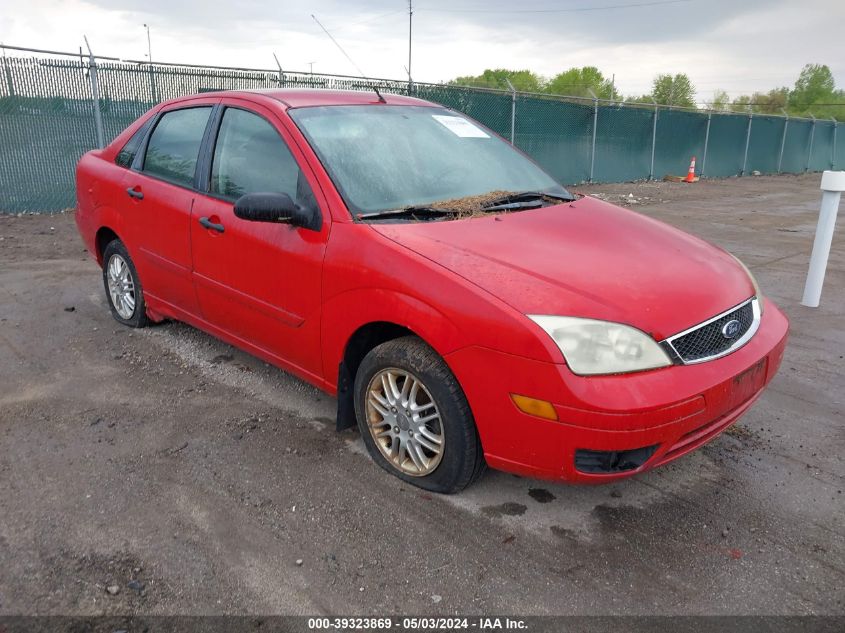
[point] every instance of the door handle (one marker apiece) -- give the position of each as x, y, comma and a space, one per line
211, 225
135, 192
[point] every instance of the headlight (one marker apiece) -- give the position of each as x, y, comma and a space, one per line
600, 347
757, 292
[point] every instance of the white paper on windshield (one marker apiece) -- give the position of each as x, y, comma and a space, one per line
459, 126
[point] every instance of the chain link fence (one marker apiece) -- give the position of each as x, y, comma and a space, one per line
56, 106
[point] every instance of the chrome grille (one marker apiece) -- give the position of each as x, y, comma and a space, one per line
706, 341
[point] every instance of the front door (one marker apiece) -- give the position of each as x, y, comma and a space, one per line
259, 281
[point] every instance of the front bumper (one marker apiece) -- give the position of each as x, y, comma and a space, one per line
676, 409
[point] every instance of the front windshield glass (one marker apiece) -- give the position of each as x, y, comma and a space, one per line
393, 157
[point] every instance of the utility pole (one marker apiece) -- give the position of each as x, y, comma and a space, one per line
410, 32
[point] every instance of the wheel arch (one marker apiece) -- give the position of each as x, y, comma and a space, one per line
357, 321
360, 343
104, 235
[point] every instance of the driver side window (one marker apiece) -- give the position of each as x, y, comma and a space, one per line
251, 157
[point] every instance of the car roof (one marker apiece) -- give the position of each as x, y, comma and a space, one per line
304, 97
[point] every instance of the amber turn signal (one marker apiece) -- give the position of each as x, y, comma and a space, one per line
532, 406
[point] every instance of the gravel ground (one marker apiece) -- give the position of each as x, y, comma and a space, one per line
160, 471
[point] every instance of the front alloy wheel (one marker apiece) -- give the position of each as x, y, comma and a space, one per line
404, 422
414, 417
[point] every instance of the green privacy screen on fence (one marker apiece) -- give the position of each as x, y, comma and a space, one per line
47, 121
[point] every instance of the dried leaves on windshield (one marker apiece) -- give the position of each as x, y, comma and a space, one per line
472, 206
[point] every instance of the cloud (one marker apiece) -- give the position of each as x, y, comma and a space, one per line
741, 47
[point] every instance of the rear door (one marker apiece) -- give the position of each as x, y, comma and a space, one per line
259, 281
161, 190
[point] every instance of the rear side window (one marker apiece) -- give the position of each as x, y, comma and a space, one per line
174, 145
127, 154
251, 157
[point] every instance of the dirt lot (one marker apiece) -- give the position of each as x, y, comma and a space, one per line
194, 477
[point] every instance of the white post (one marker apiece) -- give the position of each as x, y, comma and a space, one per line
833, 184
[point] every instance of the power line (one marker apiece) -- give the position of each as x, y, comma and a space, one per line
345, 54
571, 10
367, 20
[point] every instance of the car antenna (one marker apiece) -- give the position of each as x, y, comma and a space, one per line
380, 98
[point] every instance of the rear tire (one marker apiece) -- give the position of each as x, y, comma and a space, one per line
123, 288
414, 417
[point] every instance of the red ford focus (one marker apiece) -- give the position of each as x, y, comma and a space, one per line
465, 308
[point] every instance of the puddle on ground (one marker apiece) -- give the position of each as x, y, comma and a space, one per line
541, 495
509, 508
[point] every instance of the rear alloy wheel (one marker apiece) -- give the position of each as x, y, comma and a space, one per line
414, 417
126, 298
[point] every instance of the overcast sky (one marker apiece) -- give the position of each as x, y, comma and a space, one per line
739, 46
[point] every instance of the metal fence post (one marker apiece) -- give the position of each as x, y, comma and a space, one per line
513, 110
153, 83
783, 140
95, 95
706, 142
810, 148
10, 85
595, 126
653, 141
747, 143
281, 74
833, 148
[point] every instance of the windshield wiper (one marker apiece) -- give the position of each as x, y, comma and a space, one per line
523, 200
413, 212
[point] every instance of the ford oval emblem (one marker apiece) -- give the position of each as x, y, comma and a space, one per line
730, 329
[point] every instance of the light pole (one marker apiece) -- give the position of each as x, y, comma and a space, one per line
150, 62
149, 46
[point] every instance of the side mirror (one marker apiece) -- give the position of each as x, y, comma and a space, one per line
276, 207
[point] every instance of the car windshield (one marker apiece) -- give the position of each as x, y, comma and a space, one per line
386, 158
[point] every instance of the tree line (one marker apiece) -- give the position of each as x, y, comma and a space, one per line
813, 94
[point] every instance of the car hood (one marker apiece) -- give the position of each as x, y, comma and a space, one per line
586, 259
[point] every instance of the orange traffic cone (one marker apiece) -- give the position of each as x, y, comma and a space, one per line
691, 173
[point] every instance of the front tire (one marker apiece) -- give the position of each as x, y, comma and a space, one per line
123, 288
414, 417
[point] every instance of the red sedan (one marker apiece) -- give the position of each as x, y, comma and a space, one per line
465, 308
